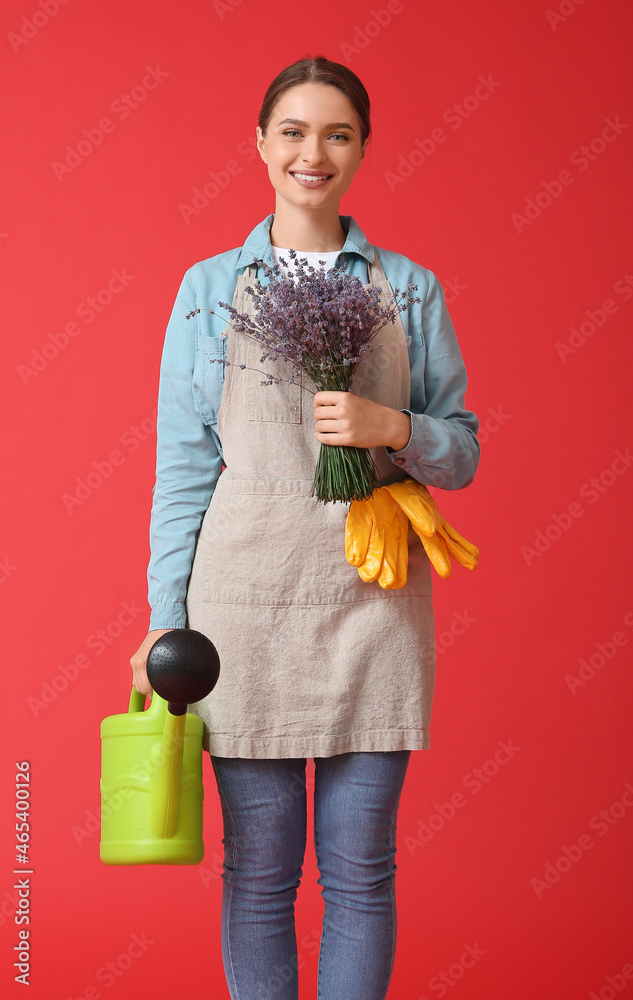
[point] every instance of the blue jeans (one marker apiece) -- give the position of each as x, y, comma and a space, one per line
356, 798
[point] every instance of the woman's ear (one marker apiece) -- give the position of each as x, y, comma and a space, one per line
260, 143
363, 151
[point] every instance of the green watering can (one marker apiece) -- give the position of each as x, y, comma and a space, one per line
151, 761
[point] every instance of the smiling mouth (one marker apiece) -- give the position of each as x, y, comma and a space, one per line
310, 178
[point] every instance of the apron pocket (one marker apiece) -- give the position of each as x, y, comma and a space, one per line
261, 549
280, 403
208, 376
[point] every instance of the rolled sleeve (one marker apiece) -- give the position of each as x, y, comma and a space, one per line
410, 456
188, 463
443, 449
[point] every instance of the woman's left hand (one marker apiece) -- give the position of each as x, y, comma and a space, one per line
344, 418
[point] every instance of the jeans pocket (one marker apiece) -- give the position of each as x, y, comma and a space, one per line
208, 376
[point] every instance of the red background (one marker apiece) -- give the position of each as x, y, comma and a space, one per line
510, 636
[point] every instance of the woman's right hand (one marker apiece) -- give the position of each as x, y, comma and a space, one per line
139, 660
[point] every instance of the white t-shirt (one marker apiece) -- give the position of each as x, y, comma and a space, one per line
314, 256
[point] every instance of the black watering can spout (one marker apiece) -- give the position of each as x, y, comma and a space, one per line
183, 667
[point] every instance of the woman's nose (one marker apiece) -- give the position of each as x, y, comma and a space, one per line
313, 151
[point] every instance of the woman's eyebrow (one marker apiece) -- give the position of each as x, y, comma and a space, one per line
296, 121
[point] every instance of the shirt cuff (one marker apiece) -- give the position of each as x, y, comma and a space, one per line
166, 615
412, 451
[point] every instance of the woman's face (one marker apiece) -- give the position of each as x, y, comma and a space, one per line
312, 132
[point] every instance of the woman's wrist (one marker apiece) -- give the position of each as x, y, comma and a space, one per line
399, 430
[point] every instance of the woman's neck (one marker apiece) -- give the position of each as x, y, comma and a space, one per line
307, 231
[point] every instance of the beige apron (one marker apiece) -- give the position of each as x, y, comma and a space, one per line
314, 662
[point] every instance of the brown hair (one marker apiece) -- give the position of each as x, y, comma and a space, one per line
318, 70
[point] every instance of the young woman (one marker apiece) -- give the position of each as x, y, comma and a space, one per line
314, 662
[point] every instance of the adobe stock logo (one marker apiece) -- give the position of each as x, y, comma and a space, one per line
473, 781
101, 469
59, 339
617, 982
452, 289
582, 158
223, 8
112, 970
99, 641
7, 569
438, 984
31, 26
602, 823
455, 116
122, 106
565, 9
591, 491
459, 625
492, 422
602, 653
201, 197
595, 319
364, 34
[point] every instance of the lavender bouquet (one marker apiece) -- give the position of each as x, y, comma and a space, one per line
322, 323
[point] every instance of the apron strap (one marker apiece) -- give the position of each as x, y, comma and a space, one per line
376, 273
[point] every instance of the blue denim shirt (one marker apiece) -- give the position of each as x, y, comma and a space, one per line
442, 450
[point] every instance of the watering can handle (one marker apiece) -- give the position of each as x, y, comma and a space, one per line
167, 769
137, 701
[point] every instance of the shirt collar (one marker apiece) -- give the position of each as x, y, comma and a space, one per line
258, 246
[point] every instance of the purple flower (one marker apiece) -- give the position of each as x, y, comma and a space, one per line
321, 322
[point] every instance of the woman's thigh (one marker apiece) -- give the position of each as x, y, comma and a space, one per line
265, 817
264, 808
356, 798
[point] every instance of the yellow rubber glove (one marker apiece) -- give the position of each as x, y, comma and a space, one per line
414, 498
464, 551
438, 537
376, 540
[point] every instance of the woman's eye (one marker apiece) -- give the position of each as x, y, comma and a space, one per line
292, 132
